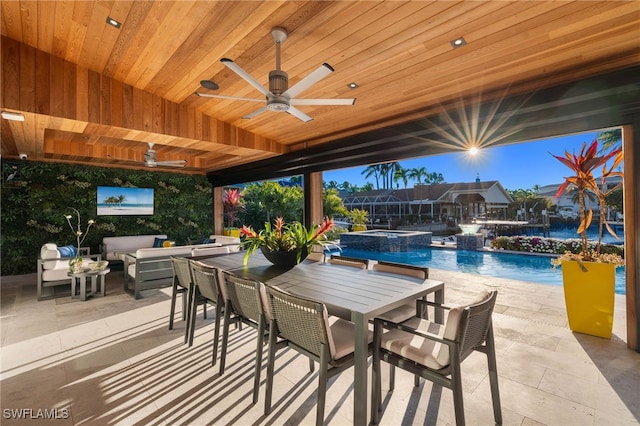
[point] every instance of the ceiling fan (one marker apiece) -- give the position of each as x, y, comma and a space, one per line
151, 161
280, 97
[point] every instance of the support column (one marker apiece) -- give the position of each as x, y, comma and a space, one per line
632, 229
313, 207
218, 210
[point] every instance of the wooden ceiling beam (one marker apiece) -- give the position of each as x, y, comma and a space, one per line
84, 101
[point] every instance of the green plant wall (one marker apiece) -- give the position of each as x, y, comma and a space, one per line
36, 196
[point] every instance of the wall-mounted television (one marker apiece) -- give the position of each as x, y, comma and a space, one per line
120, 201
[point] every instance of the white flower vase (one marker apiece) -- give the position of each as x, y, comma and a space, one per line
75, 265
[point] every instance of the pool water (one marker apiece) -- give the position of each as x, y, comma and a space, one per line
519, 267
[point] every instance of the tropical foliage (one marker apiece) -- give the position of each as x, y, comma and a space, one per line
550, 245
38, 196
583, 165
232, 203
284, 236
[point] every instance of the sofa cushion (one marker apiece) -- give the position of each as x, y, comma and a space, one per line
232, 242
113, 246
158, 242
209, 251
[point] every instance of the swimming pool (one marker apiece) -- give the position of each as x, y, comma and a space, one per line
520, 267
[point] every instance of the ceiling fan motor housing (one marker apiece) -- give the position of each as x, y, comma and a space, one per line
278, 82
277, 103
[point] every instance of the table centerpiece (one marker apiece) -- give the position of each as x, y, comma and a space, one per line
284, 244
75, 263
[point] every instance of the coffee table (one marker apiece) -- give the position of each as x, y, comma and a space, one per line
98, 278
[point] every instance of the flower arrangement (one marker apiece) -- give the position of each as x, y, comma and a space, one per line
287, 237
80, 236
583, 165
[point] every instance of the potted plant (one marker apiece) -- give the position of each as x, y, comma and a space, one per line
284, 244
232, 204
358, 219
589, 276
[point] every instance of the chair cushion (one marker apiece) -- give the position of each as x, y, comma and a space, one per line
424, 351
50, 251
400, 314
342, 334
58, 274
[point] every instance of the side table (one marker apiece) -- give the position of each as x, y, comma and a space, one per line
98, 278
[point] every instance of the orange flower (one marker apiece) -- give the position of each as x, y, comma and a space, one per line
248, 232
326, 225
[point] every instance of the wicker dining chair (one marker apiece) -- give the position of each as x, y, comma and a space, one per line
408, 310
435, 351
207, 286
304, 326
355, 262
182, 283
246, 304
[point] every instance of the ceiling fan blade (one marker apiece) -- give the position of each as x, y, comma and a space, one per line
322, 101
312, 78
256, 112
234, 98
299, 114
242, 73
171, 163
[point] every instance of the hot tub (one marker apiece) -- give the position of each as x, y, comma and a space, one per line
382, 241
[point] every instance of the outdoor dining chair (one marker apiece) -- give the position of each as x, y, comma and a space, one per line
355, 262
435, 352
182, 283
246, 304
206, 286
304, 326
406, 311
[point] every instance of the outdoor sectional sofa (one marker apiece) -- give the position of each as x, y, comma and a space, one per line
151, 267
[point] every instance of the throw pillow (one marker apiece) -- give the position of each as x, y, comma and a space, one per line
67, 251
158, 242
208, 241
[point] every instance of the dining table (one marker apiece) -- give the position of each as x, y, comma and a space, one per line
363, 292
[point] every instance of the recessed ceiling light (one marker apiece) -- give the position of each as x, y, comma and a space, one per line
113, 22
460, 41
15, 116
353, 85
208, 84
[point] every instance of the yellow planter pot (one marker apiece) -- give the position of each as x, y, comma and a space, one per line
356, 228
589, 290
232, 233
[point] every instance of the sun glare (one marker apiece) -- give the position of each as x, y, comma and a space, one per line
473, 150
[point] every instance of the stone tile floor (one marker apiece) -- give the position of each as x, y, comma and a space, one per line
112, 360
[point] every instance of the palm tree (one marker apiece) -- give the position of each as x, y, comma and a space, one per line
331, 185
373, 170
418, 173
434, 177
610, 139
401, 174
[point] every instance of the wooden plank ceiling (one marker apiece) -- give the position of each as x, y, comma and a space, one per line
95, 94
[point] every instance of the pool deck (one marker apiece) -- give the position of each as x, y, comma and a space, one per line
112, 360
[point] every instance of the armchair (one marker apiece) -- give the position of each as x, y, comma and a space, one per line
52, 269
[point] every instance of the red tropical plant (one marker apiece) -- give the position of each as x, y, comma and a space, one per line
583, 165
232, 204
284, 237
